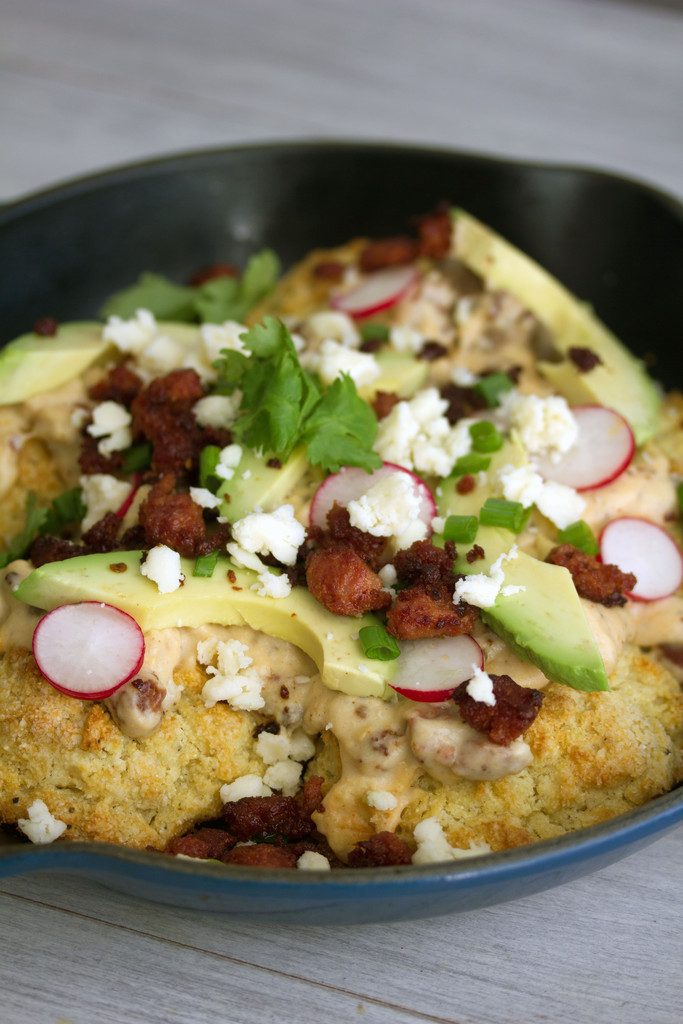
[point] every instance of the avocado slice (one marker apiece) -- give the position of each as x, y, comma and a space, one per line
330, 640
620, 382
32, 364
450, 503
401, 374
264, 486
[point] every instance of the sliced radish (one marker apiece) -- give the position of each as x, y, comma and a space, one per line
350, 483
645, 549
88, 650
431, 670
376, 292
128, 500
601, 453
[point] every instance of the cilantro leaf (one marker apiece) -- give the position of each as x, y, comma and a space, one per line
219, 299
341, 429
66, 508
165, 299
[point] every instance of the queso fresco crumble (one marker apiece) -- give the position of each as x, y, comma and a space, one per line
373, 563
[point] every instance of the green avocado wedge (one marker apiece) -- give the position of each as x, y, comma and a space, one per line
330, 640
32, 364
544, 622
620, 382
400, 373
258, 485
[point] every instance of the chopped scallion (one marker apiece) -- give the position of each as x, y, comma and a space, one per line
581, 536
137, 458
461, 529
492, 387
208, 460
378, 644
511, 515
485, 436
205, 564
472, 463
374, 331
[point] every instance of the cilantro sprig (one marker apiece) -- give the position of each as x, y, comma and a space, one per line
283, 405
66, 509
217, 300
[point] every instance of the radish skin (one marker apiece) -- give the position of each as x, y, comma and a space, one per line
376, 292
645, 549
430, 671
603, 450
351, 483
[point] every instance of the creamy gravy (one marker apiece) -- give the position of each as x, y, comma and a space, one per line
646, 489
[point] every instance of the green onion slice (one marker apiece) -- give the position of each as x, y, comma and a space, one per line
205, 564
461, 529
492, 387
581, 536
511, 515
137, 458
472, 463
378, 644
485, 436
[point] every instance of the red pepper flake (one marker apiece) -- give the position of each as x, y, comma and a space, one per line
232, 575
46, 326
284, 692
432, 350
237, 588
274, 464
466, 484
118, 567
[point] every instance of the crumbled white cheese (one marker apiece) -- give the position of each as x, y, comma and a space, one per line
301, 746
276, 533
434, 848
463, 377
390, 508
406, 339
312, 861
480, 687
172, 695
246, 475
329, 636
273, 747
101, 493
381, 799
246, 785
545, 426
438, 524
161, 356
207, 650
217, 410
417, 435
79, 417
41, 826
482, 589
463, 311
111, 422
245, 558
560, 504
271, 585
228, 461
284, 776
231, 681
228, 335
131, 335
388, 575
203, 497
162, 566
329, 325
332, 360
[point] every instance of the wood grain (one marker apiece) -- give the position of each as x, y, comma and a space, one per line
87, 83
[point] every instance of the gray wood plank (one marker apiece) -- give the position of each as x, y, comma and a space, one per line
88, 82
603, 948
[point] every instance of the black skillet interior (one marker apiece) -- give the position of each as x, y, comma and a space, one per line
614, 242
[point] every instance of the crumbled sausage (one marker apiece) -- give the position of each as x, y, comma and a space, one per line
435, 231
475, 553
432, 350
466, 484
340, 531
46, 327
255, 816
176, 520
596, 581
385, 849
162, 413
329, 270
262, 855
102, 535
515, 709
91, 461
120, 385
421, 612
206, 843
340, 580
148, 696
424, 563
388, 252
462, 401
213, 271
371, 345
584, 359
384, 402
52, 549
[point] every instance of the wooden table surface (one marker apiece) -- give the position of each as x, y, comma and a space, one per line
88, 83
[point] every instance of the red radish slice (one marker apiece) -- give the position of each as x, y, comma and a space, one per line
601, 453
88, 650
376, 292
431, 670
646, 550
350, 483
128, 500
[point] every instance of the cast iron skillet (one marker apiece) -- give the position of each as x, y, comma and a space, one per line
615, 242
